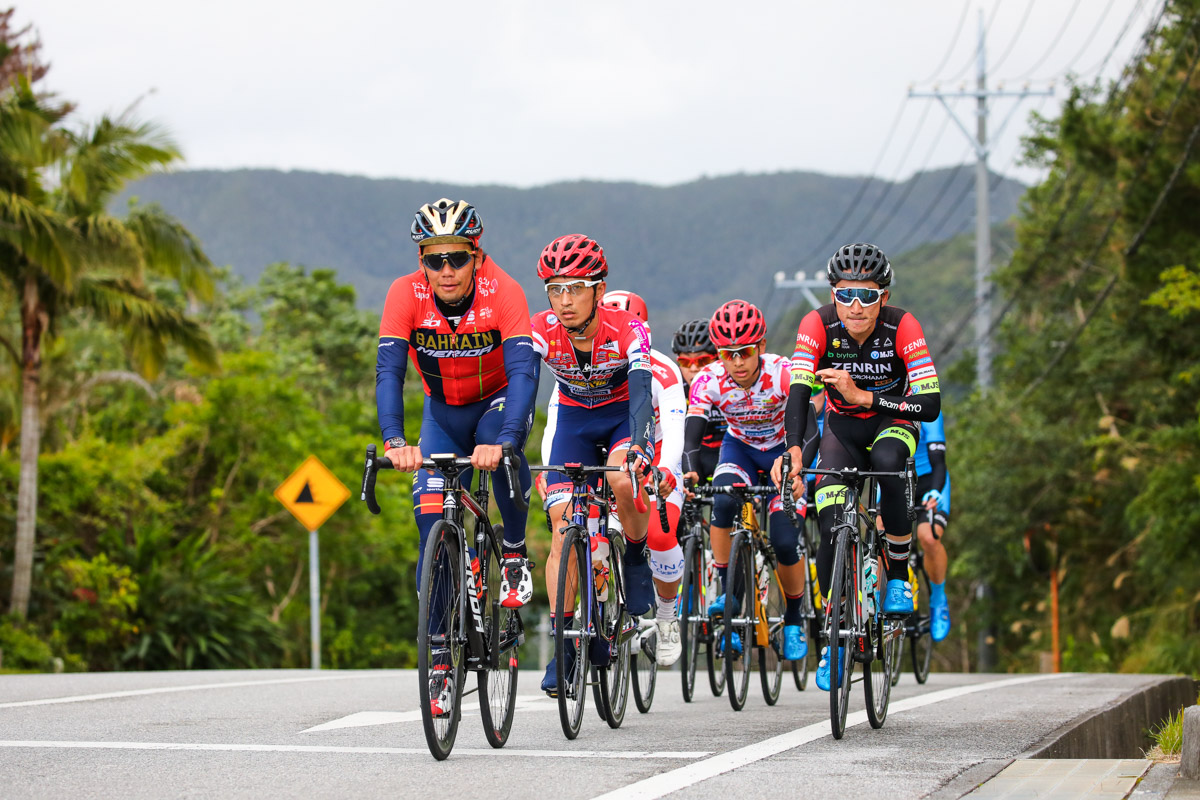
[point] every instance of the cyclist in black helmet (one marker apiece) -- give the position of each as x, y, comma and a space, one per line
880, 383
694, 351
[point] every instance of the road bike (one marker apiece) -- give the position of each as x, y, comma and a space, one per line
643, 657
698, 587
460, 623
855, 628
754, 603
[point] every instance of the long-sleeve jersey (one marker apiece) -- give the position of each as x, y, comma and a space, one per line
489, 349
617, 368
670, 408
931, 451
893, 363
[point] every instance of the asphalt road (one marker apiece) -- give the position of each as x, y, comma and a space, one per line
287, 733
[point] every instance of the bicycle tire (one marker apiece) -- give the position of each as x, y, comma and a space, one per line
877, 673
440, 611
737, 668
897, 672
841, 616
714, 630
498, 687
615, 619
643, 677
693, 612
808, 615
572, 693
770, 657
922, 643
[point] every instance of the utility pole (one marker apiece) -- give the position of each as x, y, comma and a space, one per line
805, 285
983, 234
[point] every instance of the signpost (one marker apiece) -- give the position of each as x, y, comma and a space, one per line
312, 493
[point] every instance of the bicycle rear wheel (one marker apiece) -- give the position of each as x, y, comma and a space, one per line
643, 668
770, 657
841, 618
575, 565
877, 674
693, 614
922, 643
501, 629
614, 628
808, 616
440, 654
740, 591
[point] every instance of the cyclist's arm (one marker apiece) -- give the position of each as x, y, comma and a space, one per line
391, 361
937, 464
923, 403
700, 402
812, 436
641, 404
672, 410
810, 346
522, 365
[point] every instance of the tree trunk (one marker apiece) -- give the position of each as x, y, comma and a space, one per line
33, 325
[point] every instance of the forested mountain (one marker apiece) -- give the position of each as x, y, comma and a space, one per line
685, 247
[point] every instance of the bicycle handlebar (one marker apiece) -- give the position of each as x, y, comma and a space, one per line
436, 462
744, 489
785, 494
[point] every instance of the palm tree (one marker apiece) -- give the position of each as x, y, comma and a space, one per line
62, 252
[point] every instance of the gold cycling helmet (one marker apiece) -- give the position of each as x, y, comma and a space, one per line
447, 221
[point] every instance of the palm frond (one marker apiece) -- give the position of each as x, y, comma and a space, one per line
170, 249
42, 236
104, 157
149, 323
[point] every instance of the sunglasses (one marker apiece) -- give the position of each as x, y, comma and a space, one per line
694, 361
868, 297
744, 352
573, 288
456, 259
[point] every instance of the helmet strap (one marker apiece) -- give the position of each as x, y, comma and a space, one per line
578, 333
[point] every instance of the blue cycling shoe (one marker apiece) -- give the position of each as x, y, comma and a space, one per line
639, 588
737, 645
717, 607
823, 669
795, 644
941, 620
550, 679
898, 597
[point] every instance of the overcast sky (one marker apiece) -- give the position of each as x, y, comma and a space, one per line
527, 93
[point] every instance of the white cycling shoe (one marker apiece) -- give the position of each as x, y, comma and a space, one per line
669, 647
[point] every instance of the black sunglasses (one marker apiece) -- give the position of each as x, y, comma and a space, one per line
456, 259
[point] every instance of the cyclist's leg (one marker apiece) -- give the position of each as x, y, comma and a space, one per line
843, 444
935, 560
737, 465
427, 486
892, 447
666, 564
639, 585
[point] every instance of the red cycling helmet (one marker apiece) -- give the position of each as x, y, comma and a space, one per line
627, 301
572, 256
737, 323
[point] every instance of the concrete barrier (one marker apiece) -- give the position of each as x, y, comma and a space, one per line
1189, 764
1120, 730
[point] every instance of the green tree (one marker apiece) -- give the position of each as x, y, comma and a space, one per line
61, 252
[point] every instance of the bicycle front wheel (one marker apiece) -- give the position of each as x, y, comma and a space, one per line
877, 673
571, 638
693, 613
502, 628
439, 639
740, 619
841, 622
713, 628
616, 629
643, 668
808, 616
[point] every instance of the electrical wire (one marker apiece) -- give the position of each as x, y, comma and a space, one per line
1057, 38
1016, 37
953, 43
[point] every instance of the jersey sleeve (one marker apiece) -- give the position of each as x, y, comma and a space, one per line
923, 402
391, 360
810, 345
703, 394
637, 345
672, 410
538, 330
521, 365
514, 310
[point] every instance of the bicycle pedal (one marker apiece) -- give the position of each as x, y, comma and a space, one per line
862, 649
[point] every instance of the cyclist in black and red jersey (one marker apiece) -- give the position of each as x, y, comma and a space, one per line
880, 383
694, 350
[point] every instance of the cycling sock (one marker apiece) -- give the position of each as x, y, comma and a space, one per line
514, 549
722, 572
791, 616
937, 593
664, 607
635, 552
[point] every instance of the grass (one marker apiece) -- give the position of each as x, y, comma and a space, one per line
1168, 738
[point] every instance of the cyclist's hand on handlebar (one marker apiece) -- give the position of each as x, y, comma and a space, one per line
405, 459
690, 479
931, 499
636, 461
666, 483
540, 483
487, 456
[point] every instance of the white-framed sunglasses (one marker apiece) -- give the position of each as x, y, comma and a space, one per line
573, 288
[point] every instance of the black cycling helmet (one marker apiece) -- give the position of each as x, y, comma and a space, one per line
447, 221
859, 262
692, 337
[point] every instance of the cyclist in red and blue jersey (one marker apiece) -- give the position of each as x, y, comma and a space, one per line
464, 322
750, 388
600, 357
880, 382
933, 487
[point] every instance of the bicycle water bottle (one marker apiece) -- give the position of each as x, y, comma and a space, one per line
870, 580
600, 550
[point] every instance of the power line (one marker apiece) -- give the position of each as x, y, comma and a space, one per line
1124, 29
892, 183
953, 43
1016, 36
1058, 37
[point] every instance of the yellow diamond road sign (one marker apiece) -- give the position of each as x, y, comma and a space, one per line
312, 493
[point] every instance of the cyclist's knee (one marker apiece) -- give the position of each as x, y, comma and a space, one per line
925, 536
785, 539
667, 565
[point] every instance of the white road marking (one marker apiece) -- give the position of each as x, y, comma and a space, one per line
83, 698
404, 751
672, 781
364, 718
